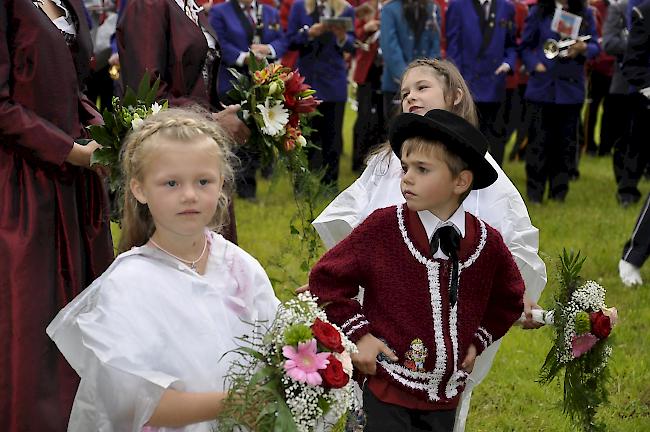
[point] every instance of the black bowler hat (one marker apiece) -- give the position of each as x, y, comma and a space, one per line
456, 133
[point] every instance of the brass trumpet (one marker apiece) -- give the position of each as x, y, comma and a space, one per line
553, 48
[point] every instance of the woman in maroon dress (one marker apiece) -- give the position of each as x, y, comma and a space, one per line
173, 41
54, 232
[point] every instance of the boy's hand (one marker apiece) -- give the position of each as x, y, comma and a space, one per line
366, 359
470, 358
530, 323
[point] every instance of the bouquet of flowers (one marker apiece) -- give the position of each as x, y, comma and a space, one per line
294, 377
276, 105
582, 323
126, 114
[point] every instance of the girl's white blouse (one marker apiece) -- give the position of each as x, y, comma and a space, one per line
150, 323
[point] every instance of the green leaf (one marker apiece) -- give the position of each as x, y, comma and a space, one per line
130, 98
144, 86
102, 136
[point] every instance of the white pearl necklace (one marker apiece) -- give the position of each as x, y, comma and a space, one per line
191, 264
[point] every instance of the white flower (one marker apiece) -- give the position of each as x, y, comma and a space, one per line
275, 118
136, 122
301, 141
245, 114
155, 108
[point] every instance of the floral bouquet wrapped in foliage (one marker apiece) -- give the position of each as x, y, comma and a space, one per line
582, 346
127, 114
276, 105
294, 377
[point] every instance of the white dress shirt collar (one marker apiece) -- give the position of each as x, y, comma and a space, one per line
432, 223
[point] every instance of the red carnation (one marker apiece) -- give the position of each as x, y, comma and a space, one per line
333, 375
327, 335
601, 325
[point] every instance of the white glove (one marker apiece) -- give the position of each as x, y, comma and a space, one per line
645, 92
630, 274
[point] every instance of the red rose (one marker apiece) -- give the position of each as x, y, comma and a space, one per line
601, 325
327, 335
333, 375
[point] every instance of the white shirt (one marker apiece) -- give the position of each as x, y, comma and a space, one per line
432, 224
150, 323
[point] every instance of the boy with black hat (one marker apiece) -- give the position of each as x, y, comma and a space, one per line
440, 284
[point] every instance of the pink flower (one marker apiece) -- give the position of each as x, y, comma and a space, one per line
583, 343
303, 363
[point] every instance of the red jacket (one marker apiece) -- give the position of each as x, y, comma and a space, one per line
406, 301
364, 58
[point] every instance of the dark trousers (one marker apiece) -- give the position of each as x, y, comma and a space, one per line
598, 91
637, 248
328, 137
551, 149
621, 115
513, 110
384, 417
392, 107
369, 129
249, 163
493, 127
637, 152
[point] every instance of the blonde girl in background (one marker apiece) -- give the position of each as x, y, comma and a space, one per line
427, 84
146, 337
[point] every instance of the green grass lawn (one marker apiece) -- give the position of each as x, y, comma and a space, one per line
510, 399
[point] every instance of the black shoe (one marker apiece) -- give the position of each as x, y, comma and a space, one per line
627, 200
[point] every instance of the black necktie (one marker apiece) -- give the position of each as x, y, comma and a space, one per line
448, 239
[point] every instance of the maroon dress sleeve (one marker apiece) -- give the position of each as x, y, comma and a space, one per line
19, 125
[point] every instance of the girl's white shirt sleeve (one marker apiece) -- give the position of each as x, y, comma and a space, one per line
500, 205
150, 323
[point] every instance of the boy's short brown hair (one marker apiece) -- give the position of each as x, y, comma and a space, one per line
454, 162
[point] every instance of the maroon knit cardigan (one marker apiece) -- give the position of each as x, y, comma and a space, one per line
406, 298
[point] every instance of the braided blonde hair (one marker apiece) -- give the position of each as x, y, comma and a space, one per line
178, 125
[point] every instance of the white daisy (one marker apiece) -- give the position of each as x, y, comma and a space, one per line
275, 118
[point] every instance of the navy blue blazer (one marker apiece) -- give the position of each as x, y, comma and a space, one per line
636, 62
478, 46
398, 44
564, 79
236, 36
320, 59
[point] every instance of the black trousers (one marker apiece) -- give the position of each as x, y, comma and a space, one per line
551, 150
493, 127
636, 154
637, 248
598, 91
621, 115
392, 107
384, 417
328, 137
369, 128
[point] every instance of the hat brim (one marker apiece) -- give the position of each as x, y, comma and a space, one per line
409, 125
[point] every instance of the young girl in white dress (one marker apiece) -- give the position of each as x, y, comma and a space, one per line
148, 336
428, 84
